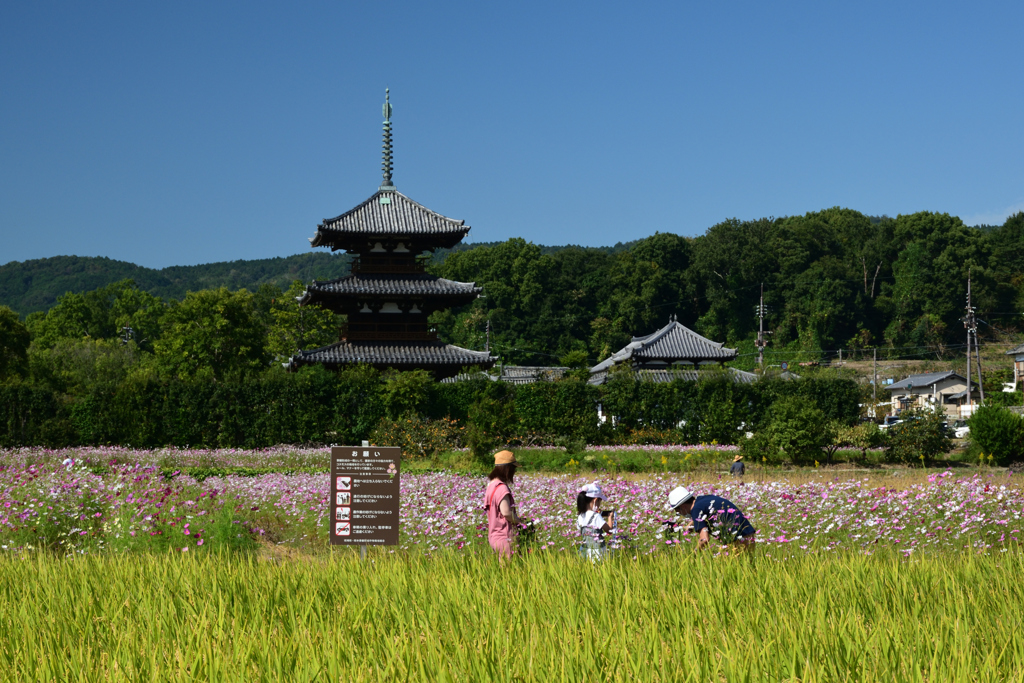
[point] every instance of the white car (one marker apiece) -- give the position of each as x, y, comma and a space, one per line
960, 429
889, 421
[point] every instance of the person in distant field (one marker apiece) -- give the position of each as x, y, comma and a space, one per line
737, 469
502, 517
592, 522
713, 517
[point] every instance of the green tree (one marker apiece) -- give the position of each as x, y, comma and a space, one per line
795, 428
1007, 263
213, 334
863, 436
294, 327
492, 420
645, 285
921, 436
72, 366
70, 318
106, 313
14, 342
924, 302
406, 393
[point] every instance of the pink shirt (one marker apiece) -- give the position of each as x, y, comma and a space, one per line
499, 531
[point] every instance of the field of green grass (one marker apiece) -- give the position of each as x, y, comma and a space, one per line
672, 616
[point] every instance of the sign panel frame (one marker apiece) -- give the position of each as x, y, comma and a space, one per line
365, 489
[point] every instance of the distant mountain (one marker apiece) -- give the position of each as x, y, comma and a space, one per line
29, 286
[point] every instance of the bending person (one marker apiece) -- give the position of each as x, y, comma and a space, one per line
499, 504
713, 516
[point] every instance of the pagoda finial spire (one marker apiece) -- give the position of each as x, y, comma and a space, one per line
387, 165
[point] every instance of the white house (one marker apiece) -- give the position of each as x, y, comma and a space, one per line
945, 391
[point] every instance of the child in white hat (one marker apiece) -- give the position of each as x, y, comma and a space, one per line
592, 522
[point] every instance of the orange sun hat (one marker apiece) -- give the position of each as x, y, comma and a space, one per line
505, 458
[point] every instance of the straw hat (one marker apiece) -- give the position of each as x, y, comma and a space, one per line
737, 458
505, 458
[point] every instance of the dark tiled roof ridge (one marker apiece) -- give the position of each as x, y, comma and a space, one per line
395, 352
658, 334
396, 277
389, 284
456, 222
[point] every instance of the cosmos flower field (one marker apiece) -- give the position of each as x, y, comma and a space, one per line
905, 578
88, 505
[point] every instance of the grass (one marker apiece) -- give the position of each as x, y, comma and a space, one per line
465, 617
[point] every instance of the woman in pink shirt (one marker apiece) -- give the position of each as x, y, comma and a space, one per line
499, 504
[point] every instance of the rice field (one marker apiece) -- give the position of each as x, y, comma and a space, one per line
673, 616
118, 570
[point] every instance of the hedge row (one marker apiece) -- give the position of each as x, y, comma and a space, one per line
318, 407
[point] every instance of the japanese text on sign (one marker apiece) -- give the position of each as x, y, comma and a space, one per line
365, 482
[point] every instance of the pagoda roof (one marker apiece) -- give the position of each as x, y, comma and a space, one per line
389, 214
673, 343
390, 285
444, 359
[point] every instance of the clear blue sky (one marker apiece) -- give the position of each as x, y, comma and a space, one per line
182, 133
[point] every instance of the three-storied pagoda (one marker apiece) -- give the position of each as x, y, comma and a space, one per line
389, 296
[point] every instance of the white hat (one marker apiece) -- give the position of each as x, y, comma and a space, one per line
678, 496
594, 491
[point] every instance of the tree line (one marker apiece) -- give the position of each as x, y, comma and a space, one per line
120, 364
832, 279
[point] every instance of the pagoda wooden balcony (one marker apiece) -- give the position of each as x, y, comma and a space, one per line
386, 332
387, 265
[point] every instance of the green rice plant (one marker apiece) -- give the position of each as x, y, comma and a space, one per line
672, 616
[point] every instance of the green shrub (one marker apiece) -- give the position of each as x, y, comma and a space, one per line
760, 449
997, 432
796, 428
862, 436
418, 437
920, 437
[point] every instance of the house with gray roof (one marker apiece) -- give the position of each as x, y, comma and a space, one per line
945, 391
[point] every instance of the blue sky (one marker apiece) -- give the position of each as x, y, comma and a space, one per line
182, 133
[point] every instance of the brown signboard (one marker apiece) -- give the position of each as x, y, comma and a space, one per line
364, 495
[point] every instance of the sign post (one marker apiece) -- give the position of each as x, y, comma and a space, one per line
365, 482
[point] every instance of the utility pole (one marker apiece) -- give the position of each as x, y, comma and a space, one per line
760, 331
874, 378
969, 324
977, 351
487, 344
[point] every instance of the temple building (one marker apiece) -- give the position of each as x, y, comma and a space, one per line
673, 352
388, 296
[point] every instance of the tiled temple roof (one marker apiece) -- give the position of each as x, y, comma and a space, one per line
389, 214
673, 343
371, 285
444, 359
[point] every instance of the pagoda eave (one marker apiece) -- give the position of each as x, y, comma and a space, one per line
443, 360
